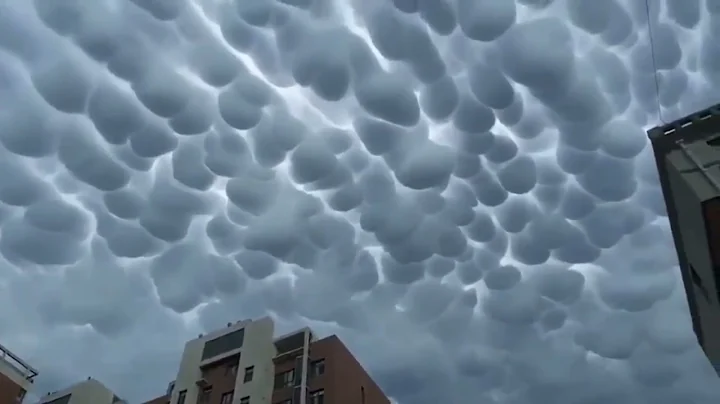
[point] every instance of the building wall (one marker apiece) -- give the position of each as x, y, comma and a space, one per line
345, 380
709, 317
222, 376
293, 354
285, 393
87, 392
691, 189
12, 383
10, 390
165, 399
260, 354
257, 350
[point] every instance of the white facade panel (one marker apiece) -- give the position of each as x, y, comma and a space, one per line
257, 350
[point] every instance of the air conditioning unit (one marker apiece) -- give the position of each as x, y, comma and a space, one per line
202, 383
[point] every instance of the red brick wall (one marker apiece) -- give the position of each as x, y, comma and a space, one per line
345, 379
9, 390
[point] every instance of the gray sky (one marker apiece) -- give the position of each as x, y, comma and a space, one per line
461, 189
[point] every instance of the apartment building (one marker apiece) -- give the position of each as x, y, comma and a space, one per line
244, 364
687, 153
16, 377
89, 391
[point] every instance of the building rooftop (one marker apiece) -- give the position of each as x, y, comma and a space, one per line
90, 390
17, 364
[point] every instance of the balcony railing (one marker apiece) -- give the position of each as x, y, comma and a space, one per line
27, 371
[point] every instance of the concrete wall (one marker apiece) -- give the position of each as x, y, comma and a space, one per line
87, 392
346, 381
690, 187
11, 385
257, 350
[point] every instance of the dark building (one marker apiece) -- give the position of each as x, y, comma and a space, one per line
687, 152
16, 377
244, 364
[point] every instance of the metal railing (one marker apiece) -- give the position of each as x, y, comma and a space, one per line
27, 371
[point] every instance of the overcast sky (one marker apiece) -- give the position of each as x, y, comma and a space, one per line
461, 189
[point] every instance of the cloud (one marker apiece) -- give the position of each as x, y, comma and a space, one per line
462, 189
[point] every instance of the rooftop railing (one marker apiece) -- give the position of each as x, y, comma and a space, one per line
27, 371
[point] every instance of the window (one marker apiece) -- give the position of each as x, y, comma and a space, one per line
245, 400
714, 141
248, 374
227, 398
204, 396
362, 394
317, 367
285, 379
181, 397
226, 343
317, 397
20, 397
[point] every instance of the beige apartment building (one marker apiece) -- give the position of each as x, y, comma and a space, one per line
88, 391
244, 363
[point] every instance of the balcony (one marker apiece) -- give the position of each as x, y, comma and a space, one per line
292, 345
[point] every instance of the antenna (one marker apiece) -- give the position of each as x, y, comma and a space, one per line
654, 63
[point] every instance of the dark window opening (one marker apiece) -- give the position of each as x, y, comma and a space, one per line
714, 142
290, 343
181, 397
225, 343
227, 398
317, 368
299, 362
245, 400
362, 394
284, 379
317, 397
248, 374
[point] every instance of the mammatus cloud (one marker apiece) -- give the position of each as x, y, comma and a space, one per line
460, 188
